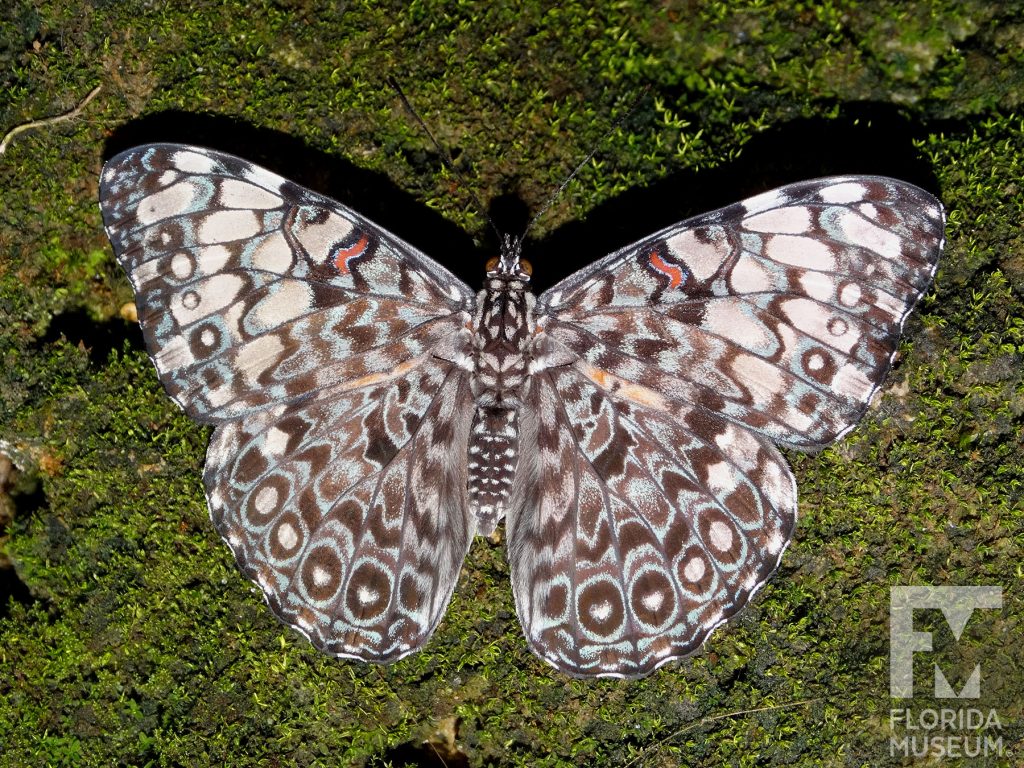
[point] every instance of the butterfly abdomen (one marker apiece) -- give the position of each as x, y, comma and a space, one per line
493, 454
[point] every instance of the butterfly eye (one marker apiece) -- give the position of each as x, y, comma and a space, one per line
526, 267
492, 264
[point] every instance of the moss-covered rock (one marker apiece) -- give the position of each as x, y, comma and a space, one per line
128, 637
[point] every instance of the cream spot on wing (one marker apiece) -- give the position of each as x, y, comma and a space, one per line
218, 396
172, 201
797, 420
849, 295
771, 199
792, 220
187, 161
225, 226
814, 319
273, 254
206, 337
231, 318
143, 273
850, 381
213, 258
318, 239
286, 536
288, 300
275, 441
653, 600
366, 595
888, 303
181, 266
869, 210
843, 193
775, 543
694, 569
721, 536
815, 362
239, 194
800, 252
777, 485
763, 380
703, 258
206, 296
601, 611
257, 356
864, 233
261, 177
750, 276
818, 285
266, 500
175, 354
727, 319
739, 444
720, 477
321, 576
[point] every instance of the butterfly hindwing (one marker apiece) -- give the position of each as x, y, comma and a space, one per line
348, 510
637, 530
321, 346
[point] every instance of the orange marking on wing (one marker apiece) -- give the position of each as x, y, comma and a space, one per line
674, 273
341, 258
625, 389
599, 376
376, 378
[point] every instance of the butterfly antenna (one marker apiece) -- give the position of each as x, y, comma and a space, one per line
445, 156
590, 156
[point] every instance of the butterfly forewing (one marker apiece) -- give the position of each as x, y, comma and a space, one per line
321, 346
635, 406
253, 291
781, 313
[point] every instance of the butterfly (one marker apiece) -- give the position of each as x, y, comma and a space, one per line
372, 413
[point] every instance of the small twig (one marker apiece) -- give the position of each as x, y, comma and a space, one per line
48, 120
713, 718
436, 753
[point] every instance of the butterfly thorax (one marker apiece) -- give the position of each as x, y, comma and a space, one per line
503, 332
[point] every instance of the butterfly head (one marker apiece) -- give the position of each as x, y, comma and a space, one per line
510, 265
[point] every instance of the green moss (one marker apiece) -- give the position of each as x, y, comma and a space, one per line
141, 644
